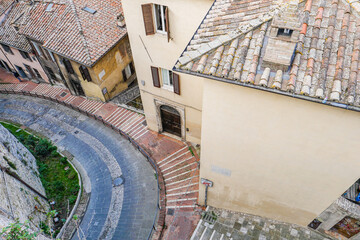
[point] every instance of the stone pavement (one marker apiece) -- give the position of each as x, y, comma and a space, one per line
228, 225
104, 155
178, 168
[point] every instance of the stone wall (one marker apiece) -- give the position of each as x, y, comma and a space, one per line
17, 199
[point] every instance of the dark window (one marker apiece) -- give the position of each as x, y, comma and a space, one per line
21, 71
6, 66
85, 73
284, 32
7, 49
37, 73
25, 55
30, 71
2, 65
51, 73
68, 66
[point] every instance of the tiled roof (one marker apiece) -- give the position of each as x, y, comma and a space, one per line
4, 5
325, 57
74, 33
8, 34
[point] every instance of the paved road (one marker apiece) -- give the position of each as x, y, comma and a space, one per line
124, 212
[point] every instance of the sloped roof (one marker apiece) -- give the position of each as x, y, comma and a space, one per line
8, 34
74, 33
4, 5
326, 59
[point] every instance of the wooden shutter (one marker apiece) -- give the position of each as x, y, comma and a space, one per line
176, 83
132, 68
155, 76
167, 24
124, 75
85, 73
147, 10
82, 72
68, 66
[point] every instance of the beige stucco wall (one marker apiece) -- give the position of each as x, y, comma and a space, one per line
273, 155
17, 59
185, 16
110, 65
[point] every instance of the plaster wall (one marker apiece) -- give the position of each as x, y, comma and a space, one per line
275, 156
17, 59
107, 72
154, 50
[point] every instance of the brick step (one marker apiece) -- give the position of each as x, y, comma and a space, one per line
136, 126
182, 176
184, 155
182, 203
131, 123
178, 164
173, 155
182, 183
185, 187
183, 195
179, 171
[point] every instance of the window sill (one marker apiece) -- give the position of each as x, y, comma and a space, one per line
168, 88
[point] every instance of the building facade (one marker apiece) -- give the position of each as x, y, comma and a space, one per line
16, 54
280, 110
158, 33
83, 45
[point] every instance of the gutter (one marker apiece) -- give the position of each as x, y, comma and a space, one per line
293, 95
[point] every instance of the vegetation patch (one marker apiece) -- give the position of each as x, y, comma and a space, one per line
57, 176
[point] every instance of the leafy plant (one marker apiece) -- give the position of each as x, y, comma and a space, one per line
17, 231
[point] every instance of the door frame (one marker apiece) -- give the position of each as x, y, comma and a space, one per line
180, 109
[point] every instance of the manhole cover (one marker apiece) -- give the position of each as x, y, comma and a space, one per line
63, 94
209, 217
118, 181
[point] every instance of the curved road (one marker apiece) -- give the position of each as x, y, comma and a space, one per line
114, 212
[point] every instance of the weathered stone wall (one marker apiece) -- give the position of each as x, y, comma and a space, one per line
16, 199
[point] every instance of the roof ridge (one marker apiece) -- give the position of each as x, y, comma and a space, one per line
242, 29
81, 31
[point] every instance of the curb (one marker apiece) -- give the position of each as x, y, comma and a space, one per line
159, 219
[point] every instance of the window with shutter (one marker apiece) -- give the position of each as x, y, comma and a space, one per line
176, 83
167, 24
148, 18
68, 66
155, 76
124, 75
85, 73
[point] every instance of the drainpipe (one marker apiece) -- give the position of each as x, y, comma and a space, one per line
207, 184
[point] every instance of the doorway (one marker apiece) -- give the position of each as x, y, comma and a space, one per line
171, 120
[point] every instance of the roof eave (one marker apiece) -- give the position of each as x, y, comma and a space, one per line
284, 93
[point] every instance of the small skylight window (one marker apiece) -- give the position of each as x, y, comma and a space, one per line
49, 7
89, 10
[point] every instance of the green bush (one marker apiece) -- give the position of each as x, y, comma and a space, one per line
63, 160
44, 148
72, 199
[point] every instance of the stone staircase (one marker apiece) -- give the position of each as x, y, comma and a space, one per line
181, 175
205, 231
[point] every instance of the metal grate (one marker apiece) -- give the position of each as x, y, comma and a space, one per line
209, 217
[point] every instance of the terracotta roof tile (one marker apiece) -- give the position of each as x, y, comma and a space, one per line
74, 33
325, 63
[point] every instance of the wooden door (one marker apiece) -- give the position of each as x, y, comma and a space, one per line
171, 121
